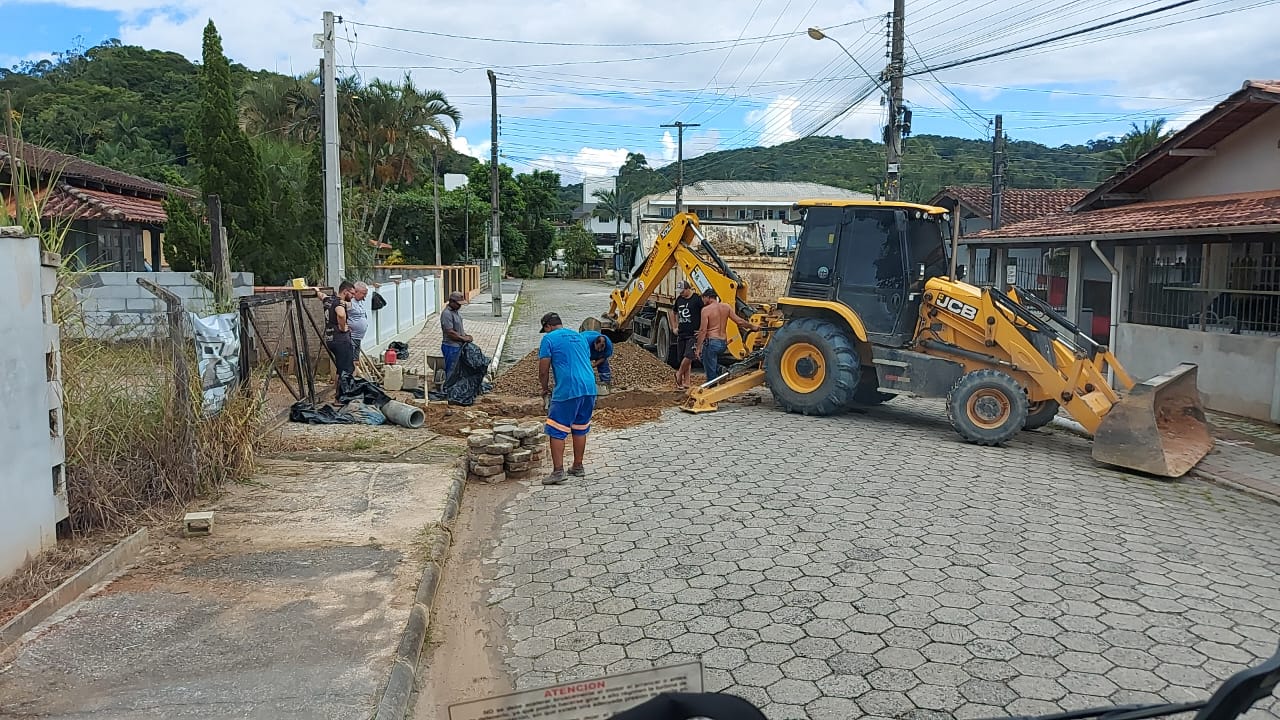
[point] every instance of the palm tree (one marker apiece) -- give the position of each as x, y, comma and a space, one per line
1139, 141
612, 206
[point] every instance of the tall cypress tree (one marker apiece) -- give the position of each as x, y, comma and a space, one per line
230, 168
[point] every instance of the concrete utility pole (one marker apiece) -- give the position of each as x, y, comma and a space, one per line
495, 261
893, 133
997, 172
435, 197
680, 126
334, 252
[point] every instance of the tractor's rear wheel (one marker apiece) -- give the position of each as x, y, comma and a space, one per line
987, 407
1040, 414
811, 367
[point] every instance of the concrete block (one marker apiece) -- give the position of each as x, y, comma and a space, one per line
131, 278
479, 439
392, 378
518, 467
104, 304
519, 456
487, 459
143, 305
497, 447
195, 524
486, 471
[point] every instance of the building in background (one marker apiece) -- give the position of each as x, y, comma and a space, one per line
766, 203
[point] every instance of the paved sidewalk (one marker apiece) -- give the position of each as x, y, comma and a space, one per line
1247, 456
477, 320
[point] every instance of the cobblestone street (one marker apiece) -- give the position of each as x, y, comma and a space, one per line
872, 565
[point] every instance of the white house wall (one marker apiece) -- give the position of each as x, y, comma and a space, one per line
1245, 161
33, 483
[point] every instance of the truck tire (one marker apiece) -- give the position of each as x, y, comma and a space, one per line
987, 407
1040, 414
811, 367
664, 343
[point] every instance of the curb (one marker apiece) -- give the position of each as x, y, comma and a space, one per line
123, 553
402, 680
1233, 484
502, 341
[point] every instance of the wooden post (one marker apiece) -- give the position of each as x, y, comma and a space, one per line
183, 398
220, 259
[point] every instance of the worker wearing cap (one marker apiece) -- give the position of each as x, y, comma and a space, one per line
601, 350
452, 336
569, 413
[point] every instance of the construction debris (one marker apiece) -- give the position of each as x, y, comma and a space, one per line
633, 369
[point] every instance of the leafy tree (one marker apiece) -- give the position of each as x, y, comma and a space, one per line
579, 249
612, 206
1138, 142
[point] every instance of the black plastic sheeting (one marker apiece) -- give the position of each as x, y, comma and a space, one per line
682, 706
366, 391
357, 397
465, 381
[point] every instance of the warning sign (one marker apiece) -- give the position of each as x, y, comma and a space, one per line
595, 699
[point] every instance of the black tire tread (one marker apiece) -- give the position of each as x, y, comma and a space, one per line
841, 361
1041, 417
970, 382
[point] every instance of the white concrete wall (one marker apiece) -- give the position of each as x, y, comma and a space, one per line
1238, 374
410, 303
116, 307
33, 481
1247, 160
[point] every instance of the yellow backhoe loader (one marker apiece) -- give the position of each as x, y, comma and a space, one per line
870, 312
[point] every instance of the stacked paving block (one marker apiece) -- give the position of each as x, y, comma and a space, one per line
510, 451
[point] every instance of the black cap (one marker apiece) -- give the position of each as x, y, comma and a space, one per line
550, 319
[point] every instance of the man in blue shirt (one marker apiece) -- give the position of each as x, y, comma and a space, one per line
601, 350
569, 412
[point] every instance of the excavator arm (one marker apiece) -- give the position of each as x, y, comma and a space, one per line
680, 245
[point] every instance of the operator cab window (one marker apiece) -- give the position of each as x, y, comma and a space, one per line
815, 262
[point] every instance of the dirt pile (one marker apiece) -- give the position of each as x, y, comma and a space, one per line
731, 240
633, 369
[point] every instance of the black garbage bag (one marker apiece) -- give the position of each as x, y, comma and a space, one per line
681, 706
402, 350
366, 391
304, 412
466, 379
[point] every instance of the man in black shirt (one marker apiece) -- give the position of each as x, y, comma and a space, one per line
688, 317
337, 333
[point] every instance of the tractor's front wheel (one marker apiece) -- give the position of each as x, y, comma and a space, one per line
811, 367
987, 407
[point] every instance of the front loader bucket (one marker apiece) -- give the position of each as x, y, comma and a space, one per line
604, 325
1158, 428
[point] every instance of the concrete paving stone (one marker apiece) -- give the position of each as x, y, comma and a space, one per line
793, 692
757, 674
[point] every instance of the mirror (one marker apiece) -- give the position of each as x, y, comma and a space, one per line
959, 272
921, 269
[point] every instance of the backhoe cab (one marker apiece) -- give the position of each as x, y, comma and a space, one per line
870, 313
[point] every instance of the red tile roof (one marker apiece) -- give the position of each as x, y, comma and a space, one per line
1017, 204
72, 203
77, 171
1144, 219
1253, 99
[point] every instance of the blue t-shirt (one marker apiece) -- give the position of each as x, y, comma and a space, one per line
571, 363
591, 336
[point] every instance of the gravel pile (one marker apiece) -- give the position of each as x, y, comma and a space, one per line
633, 369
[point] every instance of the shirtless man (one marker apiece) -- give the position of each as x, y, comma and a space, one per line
713, 338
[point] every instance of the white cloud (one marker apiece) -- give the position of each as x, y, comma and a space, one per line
479, 151
578, 115
588, 162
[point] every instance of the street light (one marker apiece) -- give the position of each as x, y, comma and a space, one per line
817, 34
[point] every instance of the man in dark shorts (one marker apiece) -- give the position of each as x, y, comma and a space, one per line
688, 318
569, 413
337, 333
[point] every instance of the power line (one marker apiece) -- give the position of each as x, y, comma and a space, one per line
1055, 38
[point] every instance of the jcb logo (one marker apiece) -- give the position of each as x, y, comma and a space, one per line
950, 304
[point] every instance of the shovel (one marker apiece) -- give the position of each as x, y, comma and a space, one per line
1158, 428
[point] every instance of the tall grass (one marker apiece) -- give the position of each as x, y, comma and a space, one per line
136, 450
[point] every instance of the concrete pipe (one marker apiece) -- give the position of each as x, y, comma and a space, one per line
403, 414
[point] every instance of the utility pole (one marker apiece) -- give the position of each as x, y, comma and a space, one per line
334, 252
435, 195
495, 261
997, 172
680, 126
893, 132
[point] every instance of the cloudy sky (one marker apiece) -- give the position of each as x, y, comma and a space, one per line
583, 83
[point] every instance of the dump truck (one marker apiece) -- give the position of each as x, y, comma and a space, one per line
737, 242
871, 310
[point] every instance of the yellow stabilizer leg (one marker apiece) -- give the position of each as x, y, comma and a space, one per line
705, 399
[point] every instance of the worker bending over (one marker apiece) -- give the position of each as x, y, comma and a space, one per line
564, 351
601, 350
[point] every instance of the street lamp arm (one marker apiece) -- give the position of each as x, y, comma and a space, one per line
817, 34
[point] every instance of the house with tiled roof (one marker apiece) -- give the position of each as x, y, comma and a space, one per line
1016, 204
1189, 235
117, 219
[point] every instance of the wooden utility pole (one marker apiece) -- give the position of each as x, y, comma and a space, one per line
495, 261
997, 172
219, 255
893, 132
680, 126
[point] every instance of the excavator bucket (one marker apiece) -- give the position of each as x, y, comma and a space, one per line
605, 327
1158, 428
